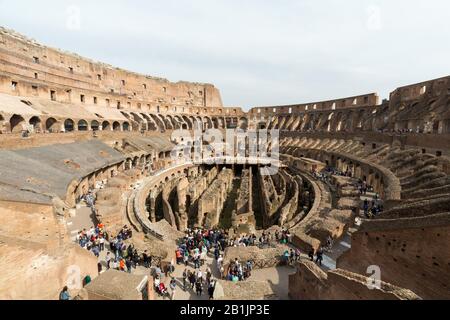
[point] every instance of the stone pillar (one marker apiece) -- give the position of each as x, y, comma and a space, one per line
153, 210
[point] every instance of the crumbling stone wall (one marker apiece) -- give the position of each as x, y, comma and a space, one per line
411, 253
273, 195
311, 283
38, 257
243, 218
211, 203
261, 258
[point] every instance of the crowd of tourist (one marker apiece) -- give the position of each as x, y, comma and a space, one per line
291, 256
372, 208
402, 131
120, 256
318, 256
196, 281
93, 239
197, 243
199, 281
237, 272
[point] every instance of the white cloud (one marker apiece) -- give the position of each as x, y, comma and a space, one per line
256, 52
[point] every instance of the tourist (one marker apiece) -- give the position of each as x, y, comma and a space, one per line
186, 258
211, 289
366, 208
129, 264
192, 280
170, 269
208, 276
199, 287
64, 295
200, 275
311, 254
203, 255
197, 261
173, 286
145, 259
122, 264
115, 265
220, 261
156, 282
249, 265
108, 260
96, 251
222, 271
297, 255
216, 252
291, 256
185, 278
319, 258
162, 290
247, 273
179, 256
102, 244
285, 257
158, 271
329, 244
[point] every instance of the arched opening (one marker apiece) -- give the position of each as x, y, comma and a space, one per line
51, 125
135, 162
446, 126
158, 122
137, 123
106, 125
69, 125
148, 124
188, 122
116, 126
199, 123
243, 123
215, 123
172, 122
17, 123
339, 122
261, 126
126, 126
35, 122
82, 125
95, 126
208, 124
328, 123
436, 127
360, 120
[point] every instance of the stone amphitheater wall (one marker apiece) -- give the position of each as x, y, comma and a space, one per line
393, 245
311, 283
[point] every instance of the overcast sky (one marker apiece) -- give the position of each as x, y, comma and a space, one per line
256, 52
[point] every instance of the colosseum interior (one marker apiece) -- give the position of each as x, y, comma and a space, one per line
362, 183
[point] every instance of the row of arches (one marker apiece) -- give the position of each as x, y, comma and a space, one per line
18, 123
333, 121
134, 122
358, 168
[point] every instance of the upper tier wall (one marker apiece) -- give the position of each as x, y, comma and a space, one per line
366, 100
431, 88
400, 98
30, 69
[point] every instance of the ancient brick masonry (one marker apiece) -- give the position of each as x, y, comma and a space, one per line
243, 217
211, 203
